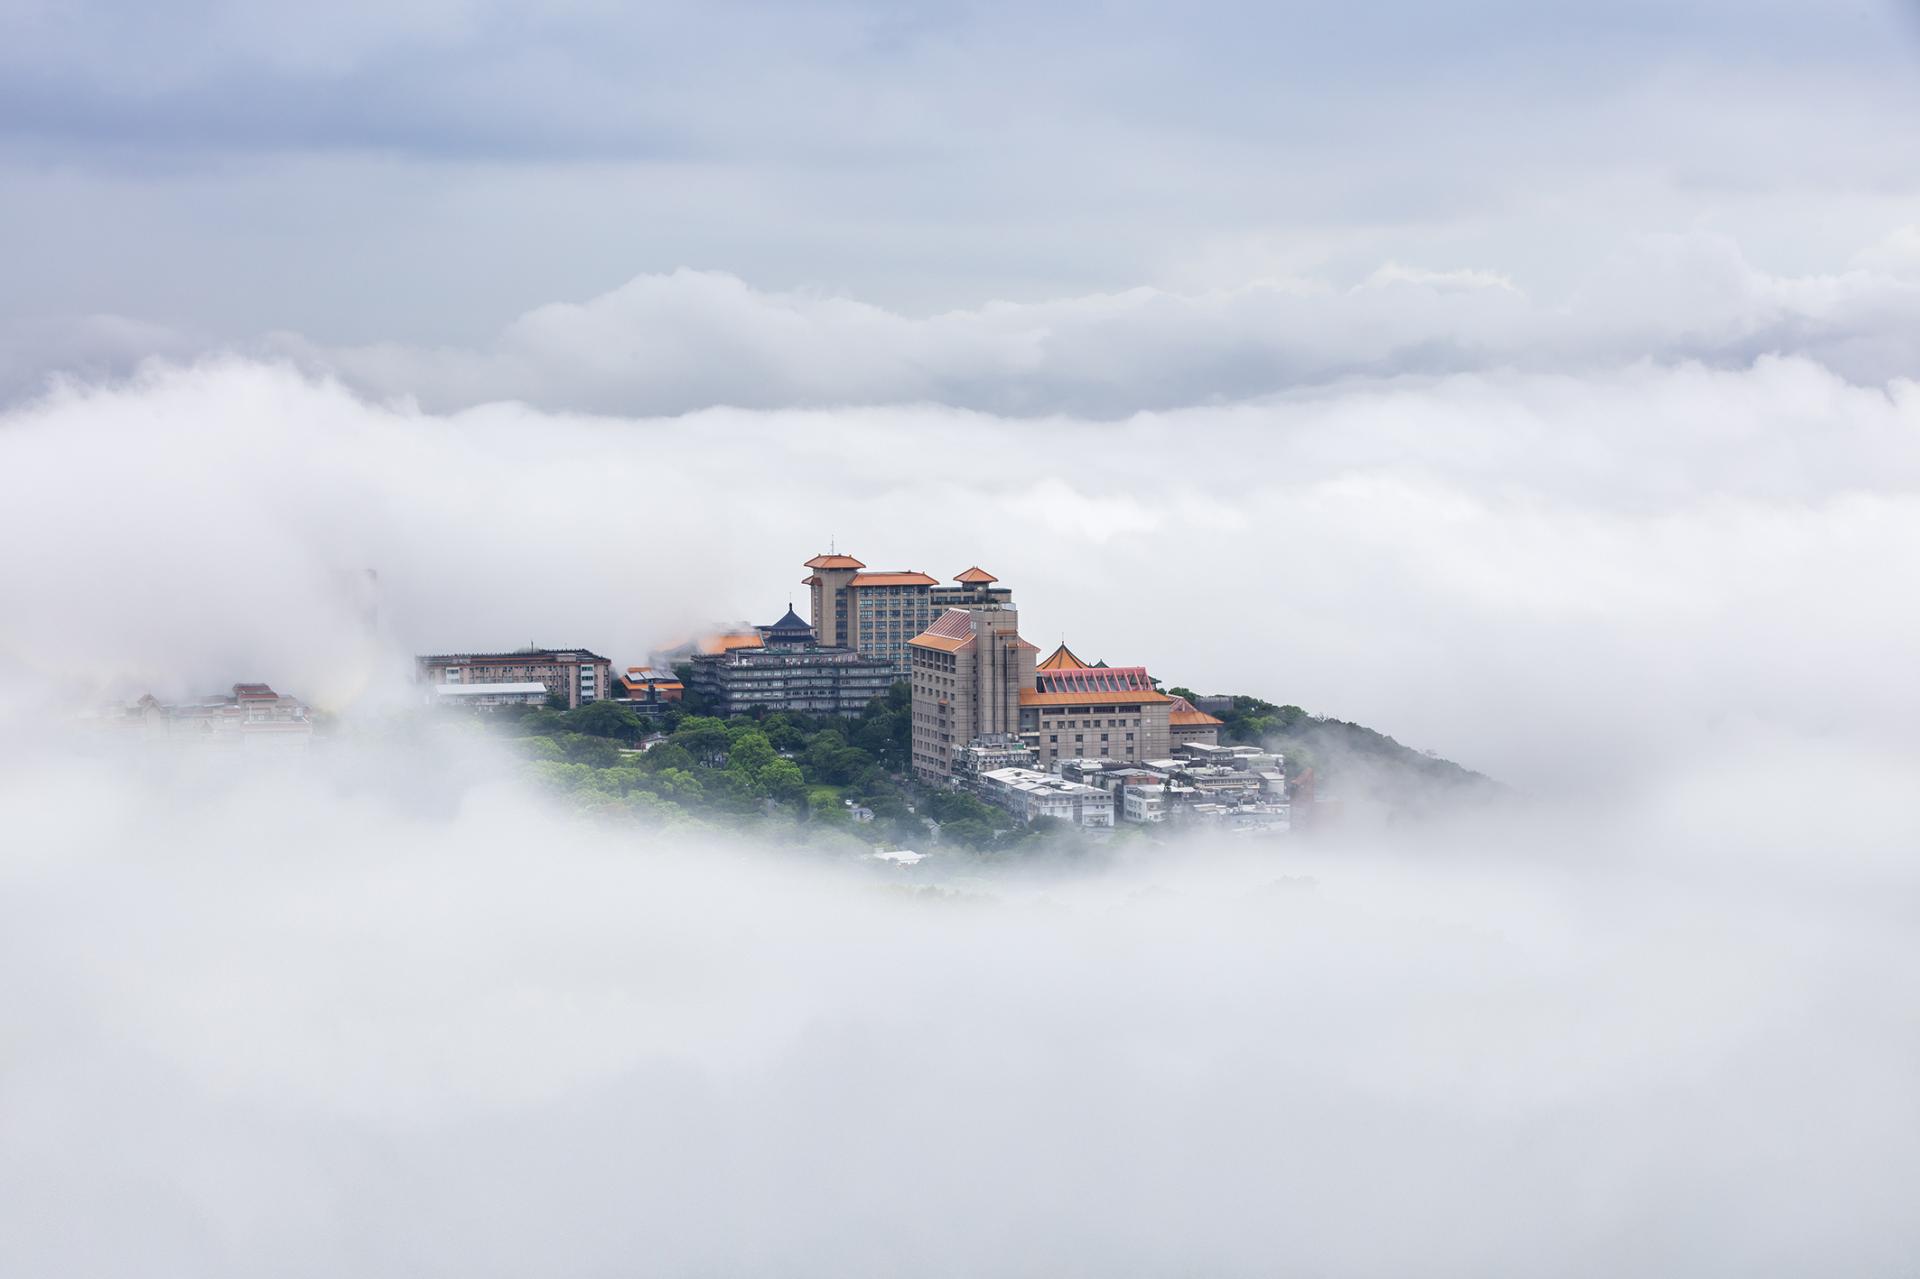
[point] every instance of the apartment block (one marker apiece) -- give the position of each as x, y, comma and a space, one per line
576, 674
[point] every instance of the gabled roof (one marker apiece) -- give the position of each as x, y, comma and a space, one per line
1184, 714
976, 576
893, 579
833, 561
1061, 659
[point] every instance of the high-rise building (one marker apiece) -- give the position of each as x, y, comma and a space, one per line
969, 670
879, 613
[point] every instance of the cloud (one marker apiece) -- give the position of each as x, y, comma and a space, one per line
1559, 579
285, 1020
668, 344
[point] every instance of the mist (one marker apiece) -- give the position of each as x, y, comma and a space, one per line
368, 1015
1532, 385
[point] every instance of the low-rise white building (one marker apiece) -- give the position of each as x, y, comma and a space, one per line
1031, 795
1143, 803
488, 697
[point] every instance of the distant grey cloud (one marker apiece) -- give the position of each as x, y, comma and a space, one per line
671, 344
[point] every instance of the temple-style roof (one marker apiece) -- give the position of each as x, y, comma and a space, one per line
1081, 697
976, 576
833, 561
1062, 659
789, 624
893, 579
1096, 681
1184, 714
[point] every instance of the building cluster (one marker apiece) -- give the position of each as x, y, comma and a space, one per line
250, 717
1054, 736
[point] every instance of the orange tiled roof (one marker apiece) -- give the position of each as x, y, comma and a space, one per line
833, 561
1184, 714
1132, 697
954, 622
727, 643
893, 579
976, 576
1062, 659
950, 632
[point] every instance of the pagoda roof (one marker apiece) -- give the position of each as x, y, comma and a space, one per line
790, 623
833, 561
976, 576
1062, 659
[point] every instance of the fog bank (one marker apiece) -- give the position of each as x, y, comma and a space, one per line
298, 1020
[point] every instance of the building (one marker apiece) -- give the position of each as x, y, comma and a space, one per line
1077, 711
573, 674
488, 697
251, 716
974, 588
1188, 723
1244, 816
644, 689
969, 670
985, 754
1144, 803
789, 671
879, 613
1031, 795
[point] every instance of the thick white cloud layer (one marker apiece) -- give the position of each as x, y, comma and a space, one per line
1534, 386
1552, 578
382, 1016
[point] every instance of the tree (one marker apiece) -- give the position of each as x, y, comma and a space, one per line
782, 780
605, 719
703, 738
595, 752
750, 754
667, 755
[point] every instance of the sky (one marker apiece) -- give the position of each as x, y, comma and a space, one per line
1535, 383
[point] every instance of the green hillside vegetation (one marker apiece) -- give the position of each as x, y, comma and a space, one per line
1343, 754
797, 773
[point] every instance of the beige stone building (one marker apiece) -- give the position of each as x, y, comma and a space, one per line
880, 612
974, 677
1077, 711
968, 671
1188, 723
